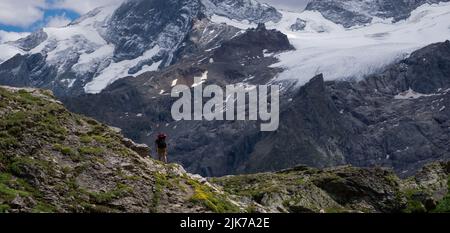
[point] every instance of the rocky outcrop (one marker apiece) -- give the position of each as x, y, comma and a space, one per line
252, 11
141, 149
342, 190
254, 42
299, 25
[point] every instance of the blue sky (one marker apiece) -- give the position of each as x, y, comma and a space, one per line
30, 15
63, 15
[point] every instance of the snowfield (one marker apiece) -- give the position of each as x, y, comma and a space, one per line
119, 70
339, 53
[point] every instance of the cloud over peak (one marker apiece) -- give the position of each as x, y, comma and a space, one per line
25, 13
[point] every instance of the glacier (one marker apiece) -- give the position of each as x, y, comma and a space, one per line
340, 53
352, 53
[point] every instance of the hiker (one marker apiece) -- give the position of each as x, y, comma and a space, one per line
161, 147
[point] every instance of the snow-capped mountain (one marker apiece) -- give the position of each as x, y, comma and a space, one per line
139, 36
117, 41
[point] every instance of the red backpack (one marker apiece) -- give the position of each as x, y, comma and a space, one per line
162, 136
161, 141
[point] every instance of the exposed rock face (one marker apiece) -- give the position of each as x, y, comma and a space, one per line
299, 25
351, 13
162, 23
366, 123
32, 41
255, 42
252, 11
411, 131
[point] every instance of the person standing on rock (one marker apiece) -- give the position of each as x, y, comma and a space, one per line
161, 147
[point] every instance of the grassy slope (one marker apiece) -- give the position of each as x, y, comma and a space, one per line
52, 160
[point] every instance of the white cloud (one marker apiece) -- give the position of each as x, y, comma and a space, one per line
21, 13
58, 21
24, 13
11, 36
83, 6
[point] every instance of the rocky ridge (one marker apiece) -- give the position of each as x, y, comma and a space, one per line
52, 160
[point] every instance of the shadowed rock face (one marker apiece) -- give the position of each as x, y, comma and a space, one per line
30, 42
366, 123
255, 42
157, 22
351, 13
149, 110
386, 128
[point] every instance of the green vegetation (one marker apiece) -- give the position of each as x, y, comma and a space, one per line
12, 187
444, 205
4, 208
32, 131
161, 182
413, 204
90, 150
68, 151
256, 186
8, 193
86, 139
105, 197
65, 150
43, 208
33, 117
213, 201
